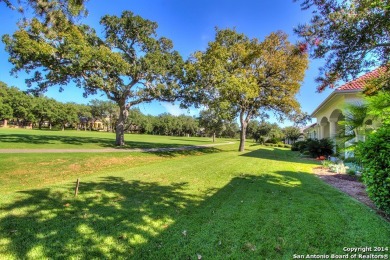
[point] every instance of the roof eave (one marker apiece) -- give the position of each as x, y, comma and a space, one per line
334, 93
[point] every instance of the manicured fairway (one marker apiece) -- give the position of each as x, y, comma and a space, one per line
217, 203
38, 139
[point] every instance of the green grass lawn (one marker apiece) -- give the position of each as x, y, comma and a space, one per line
12, 138
264, 203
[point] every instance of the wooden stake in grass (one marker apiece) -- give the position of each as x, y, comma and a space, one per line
76, 191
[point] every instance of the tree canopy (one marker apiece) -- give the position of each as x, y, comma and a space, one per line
246, 78
212, 122
129, 64
353, 36
292, 133
379, 106
49, 9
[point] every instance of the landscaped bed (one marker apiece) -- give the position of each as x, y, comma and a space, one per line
348, 184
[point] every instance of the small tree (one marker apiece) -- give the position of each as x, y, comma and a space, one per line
263, 130
66, 115
148, 125
44, 109
6, 111
276, 134
230, 129
189, 125
252, 128
212, 122
134, 120
84, 115
292, 133
21, 104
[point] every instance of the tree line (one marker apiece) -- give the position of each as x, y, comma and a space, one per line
21, 109
18, 108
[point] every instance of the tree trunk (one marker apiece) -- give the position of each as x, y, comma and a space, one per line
242, 132
5, 123
242, 138
213, 137
120, 126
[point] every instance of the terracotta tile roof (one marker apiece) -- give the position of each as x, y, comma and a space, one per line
358, 83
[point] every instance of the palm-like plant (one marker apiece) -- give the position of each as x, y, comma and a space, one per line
355, 115
352, 128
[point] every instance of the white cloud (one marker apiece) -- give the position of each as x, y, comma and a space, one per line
205, 37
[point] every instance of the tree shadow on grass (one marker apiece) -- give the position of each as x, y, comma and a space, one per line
107, 220
115, 218
186, 151
55, 139
278, 154
84, 140
190, 140
251, 217
271, 216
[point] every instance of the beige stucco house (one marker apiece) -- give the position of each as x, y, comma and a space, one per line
330, 111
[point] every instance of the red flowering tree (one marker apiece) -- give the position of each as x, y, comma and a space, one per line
352, 36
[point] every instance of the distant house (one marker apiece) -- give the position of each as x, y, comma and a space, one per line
330, 111
310, 131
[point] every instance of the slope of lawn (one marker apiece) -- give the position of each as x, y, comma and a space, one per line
36, 170
13, 138
264, 203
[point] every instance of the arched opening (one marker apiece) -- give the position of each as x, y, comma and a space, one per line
334, 120
368, 123
324, 128
334, 116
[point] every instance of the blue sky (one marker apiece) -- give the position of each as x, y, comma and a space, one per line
190, 25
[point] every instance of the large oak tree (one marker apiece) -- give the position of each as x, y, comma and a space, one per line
247, 78
129, 63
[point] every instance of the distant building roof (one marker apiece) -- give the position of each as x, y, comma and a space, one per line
358, 83
309, 127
